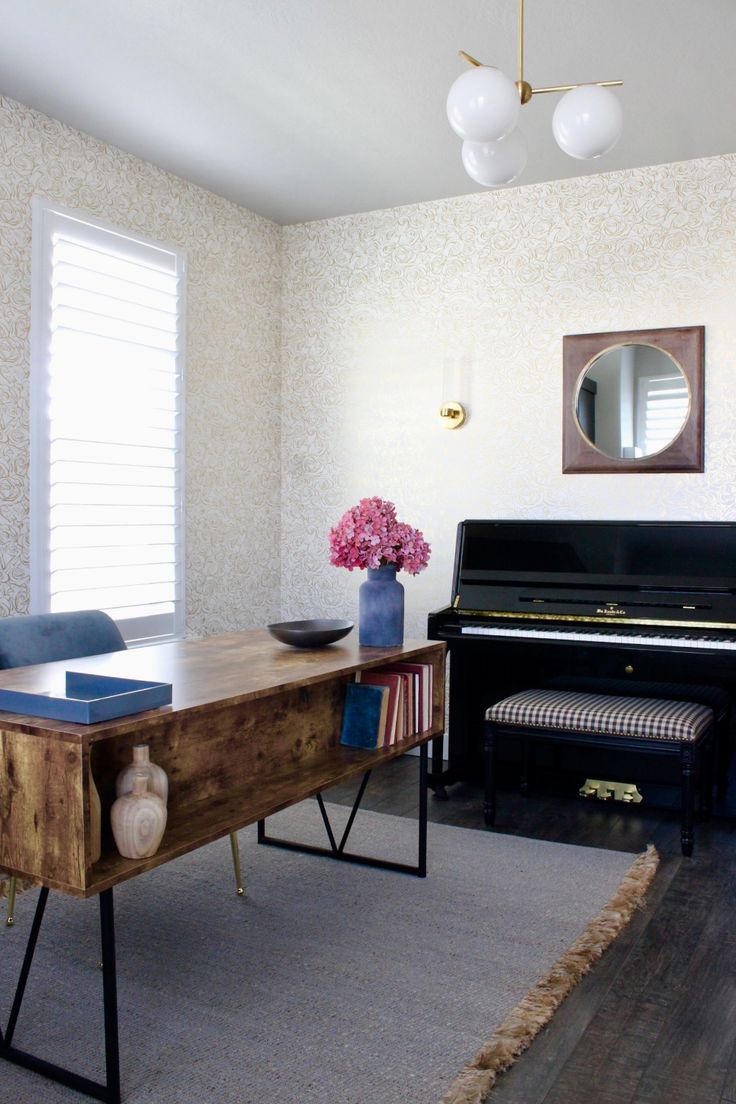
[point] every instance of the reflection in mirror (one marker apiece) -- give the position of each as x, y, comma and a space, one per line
633, 401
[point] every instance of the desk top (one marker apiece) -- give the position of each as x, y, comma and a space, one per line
226, 669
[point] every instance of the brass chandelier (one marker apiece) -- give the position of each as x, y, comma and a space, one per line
483, 108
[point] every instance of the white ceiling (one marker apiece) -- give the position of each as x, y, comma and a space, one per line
305, 109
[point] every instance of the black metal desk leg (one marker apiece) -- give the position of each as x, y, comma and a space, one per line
26, 967
337, 850
109, 1093
110, 995
423, 773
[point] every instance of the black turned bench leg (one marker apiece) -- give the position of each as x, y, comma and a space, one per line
686, 830
489, 775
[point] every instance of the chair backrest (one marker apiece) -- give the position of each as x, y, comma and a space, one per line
45, 637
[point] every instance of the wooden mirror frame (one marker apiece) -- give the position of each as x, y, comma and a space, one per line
686, 345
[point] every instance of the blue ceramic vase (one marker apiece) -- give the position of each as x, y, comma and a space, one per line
381, 609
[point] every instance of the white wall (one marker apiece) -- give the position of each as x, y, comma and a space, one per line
232, 360
374, 304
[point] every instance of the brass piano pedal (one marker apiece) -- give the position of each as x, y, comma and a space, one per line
611, 791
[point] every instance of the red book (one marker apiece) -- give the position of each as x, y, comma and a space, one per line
421, 678
406, 721
394, 683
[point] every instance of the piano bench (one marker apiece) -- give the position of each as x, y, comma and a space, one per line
675, 728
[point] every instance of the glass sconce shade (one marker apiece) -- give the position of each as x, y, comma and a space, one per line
494, 164
587, 121
483, 104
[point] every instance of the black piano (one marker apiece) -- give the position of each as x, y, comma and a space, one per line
597, 605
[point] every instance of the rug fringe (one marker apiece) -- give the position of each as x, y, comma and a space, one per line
537, 1008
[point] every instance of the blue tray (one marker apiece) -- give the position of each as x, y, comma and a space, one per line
89, 698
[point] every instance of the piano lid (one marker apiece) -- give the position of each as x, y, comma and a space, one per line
649, 572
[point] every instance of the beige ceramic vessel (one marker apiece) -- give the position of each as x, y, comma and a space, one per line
158, 783
138, 820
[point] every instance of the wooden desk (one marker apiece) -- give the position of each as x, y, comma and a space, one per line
253, 728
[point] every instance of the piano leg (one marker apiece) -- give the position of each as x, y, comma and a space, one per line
707, 764
435, 778
525, 765
458, 739
489, 771
686, 832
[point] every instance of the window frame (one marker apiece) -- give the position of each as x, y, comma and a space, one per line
45, 214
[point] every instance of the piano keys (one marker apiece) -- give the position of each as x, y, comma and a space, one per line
590, 636
541, 601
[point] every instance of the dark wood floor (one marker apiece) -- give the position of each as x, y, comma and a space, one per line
655, 1021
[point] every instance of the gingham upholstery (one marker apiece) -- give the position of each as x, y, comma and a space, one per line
603, 714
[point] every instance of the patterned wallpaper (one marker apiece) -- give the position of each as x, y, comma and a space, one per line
378, 309
232, 360
316, 356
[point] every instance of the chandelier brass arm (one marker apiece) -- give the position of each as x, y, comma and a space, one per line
525, 89
569, 87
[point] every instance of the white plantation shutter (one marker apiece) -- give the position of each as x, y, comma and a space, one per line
666, 405
106, 499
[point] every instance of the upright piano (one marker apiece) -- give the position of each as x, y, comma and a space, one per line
597, 605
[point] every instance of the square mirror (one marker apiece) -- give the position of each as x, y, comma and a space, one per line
633, 401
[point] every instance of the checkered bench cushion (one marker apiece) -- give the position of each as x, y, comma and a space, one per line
603, 714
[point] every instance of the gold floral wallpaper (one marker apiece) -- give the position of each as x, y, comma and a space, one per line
317, 356
378, 309
232, 360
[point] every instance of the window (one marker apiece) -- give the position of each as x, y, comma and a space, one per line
664, 402
106, 424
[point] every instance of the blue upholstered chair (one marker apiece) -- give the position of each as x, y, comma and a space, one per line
46, 637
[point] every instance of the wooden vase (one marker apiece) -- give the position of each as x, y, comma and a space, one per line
138, 820
158, 783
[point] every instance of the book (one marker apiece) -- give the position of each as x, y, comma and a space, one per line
407, 727
395, 685
364, 715
420, 682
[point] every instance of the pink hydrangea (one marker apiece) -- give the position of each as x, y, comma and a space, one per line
369, 535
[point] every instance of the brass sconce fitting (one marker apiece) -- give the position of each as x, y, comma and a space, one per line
452, 415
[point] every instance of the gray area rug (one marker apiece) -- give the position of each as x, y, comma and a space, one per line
327, 983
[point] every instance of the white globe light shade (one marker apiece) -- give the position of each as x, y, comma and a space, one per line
587, 121
483, 104
494, 164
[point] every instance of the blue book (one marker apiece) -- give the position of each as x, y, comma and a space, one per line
364, 715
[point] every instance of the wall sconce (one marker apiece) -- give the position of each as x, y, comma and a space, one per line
452, 415
452, 412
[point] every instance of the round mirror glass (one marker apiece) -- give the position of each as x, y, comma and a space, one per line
632, 401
